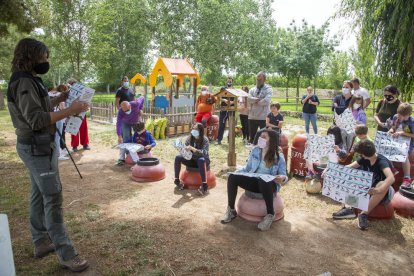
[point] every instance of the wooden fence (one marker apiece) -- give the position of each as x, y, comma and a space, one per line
102, 112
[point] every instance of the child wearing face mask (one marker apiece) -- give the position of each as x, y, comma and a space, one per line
403, 124
387, 107
356, 107
205, 103
198, 144
142, 137
265, 159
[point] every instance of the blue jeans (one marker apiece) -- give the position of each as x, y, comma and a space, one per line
126, 132
46, 214
309, 117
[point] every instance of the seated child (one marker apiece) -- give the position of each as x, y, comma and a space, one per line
361, 132
274, 119
356, 107
142, 137
380, 191
403, 124
198, 144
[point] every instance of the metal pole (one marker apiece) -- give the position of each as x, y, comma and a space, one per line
71, 158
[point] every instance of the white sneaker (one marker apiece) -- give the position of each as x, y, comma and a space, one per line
266, 222
229, 215
62, 157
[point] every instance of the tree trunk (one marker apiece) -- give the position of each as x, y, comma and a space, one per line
107, 88
287, 89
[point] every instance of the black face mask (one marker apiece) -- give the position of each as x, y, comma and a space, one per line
229, 84
389, 98
41, 68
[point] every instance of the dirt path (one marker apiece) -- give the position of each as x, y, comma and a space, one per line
189, 239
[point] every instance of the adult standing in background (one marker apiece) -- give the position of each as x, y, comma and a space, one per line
124, 93
243, 109
224, 114
360, 91
310, 103
128, 115
259, 100
387, 107
82, 134
341, 102
31, 112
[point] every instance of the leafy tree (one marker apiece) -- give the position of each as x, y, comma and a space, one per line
387, 27
21, 14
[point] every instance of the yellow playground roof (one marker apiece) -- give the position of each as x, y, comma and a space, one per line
170, 67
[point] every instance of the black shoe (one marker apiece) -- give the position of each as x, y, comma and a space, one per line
363, 221
344, 213
86, 147
75, 149
179, 185
203, 190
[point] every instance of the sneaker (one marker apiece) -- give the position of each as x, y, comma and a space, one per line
309, 175
74, 149
344, 213
179, 184
86, 147
63, 157
363, 221
120, 162
44, 248
406, 184
249, 146
203, 189
229, 215
265, 224
218, 143
76, 264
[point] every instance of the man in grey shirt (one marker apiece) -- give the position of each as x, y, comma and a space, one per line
259, 100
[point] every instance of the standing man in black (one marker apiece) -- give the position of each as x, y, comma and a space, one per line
124, 93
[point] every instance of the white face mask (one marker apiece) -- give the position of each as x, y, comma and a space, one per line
262, 142
356, 106
128, 112
203, 92
345, 91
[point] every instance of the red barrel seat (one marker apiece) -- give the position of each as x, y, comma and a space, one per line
400, 175
252, 207
403, 203
212, 127
191, 178
297, 162
129, 161
148, 170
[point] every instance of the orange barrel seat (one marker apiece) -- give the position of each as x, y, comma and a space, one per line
400, 175
403, 202
191, 178
129, 161
252, 207
212, 127
284, 144
148, 170
297, 162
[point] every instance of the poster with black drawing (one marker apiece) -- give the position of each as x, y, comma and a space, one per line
84, 94
182, 149
395, 149
318, 147
348, 186
346, 121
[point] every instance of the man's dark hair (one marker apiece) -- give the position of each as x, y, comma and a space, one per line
356, 80
27, 54
392, 89
275, 104
366, 148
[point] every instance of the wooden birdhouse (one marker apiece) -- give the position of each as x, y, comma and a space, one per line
227, 98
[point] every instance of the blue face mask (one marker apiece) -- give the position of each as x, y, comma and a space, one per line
126, 84
195, 133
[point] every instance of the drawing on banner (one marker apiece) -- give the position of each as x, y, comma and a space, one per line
84, 94
180, 146
318, 148
395, 149
131, 147
264, 177
346, 121
347, 185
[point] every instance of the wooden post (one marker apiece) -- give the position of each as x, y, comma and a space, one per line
177, 86
153, 97
111, 115
231, 157
195, 90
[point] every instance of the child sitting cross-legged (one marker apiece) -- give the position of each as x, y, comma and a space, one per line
403, 124
142, 137
380, 191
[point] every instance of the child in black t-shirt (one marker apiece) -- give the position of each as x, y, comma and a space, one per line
380, 191
274, 119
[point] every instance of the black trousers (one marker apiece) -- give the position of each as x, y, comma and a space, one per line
244, 120
252, 184
253, 126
